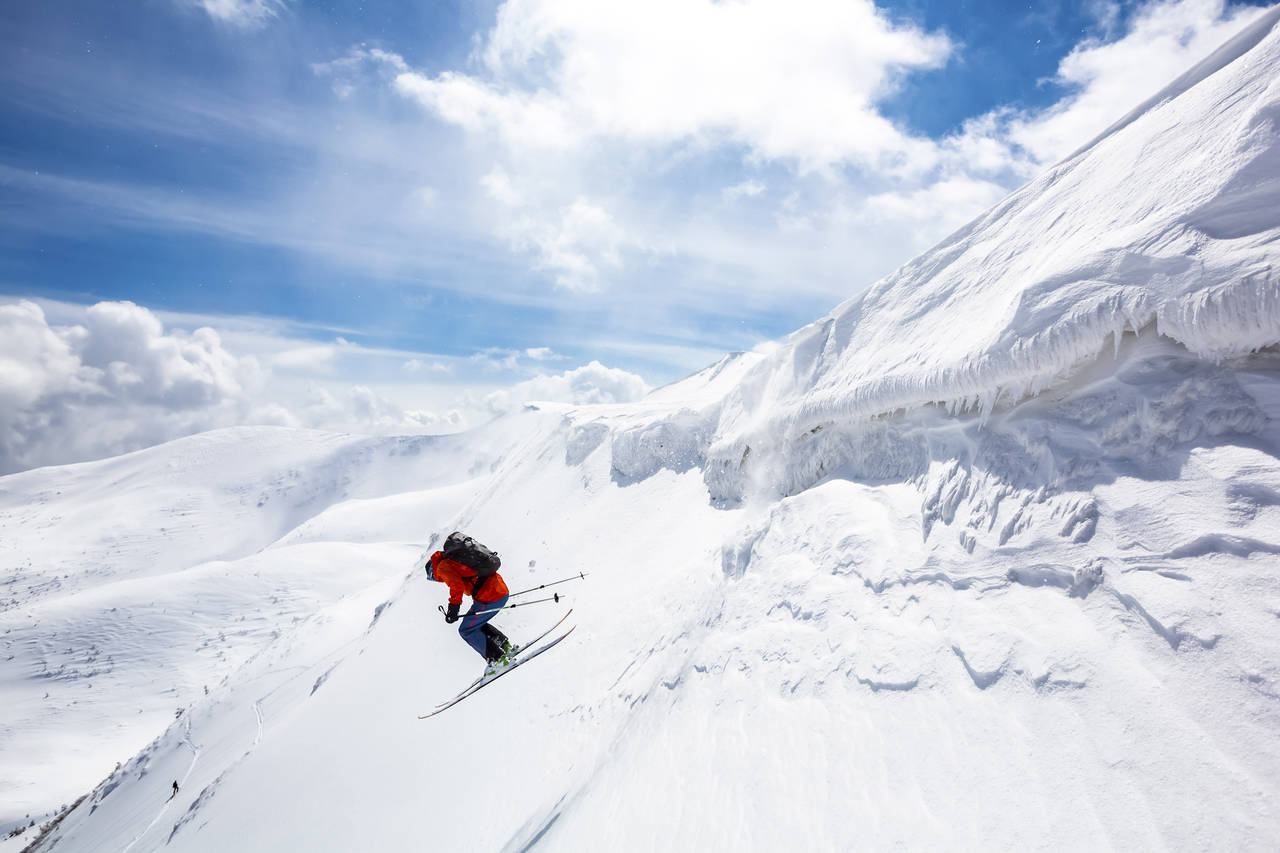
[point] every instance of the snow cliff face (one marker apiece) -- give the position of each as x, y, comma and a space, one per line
987, 559
1169, 221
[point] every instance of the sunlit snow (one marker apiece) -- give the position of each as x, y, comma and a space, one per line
986, 559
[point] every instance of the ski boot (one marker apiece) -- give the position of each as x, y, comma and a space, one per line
501, 656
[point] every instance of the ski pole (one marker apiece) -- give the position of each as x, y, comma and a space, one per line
579, 576
555, 598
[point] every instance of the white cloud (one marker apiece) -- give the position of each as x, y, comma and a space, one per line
117, 380
109, 378
747, 189
427, 195
248, 14
1106, 15
514, 361
309, 358
577, 242
349, 72
795, 80
996, 151
361, 409
115, 383
591, 383
585, 107
415, 365
947, 203
533, 119
1106, 79
35, 360
497, 184
600, 143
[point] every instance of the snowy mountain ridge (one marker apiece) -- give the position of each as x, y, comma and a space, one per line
1108, 241
986, 559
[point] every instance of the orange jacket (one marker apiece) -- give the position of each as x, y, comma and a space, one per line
461, 579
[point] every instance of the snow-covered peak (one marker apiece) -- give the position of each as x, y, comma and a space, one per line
1170, 218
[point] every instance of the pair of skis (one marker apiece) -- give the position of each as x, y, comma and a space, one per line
522, 657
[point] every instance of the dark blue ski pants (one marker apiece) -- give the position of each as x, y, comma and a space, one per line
475, 618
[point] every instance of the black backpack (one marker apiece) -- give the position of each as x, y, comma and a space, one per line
471, 554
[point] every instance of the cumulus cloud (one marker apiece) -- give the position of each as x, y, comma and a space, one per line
583, 109
34, 360
576, 242
361, 409
558, 74
115, 379
591, 383
118, 382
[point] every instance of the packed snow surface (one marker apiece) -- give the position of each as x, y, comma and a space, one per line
989, 558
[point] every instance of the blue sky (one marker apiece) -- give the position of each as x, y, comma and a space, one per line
448, 206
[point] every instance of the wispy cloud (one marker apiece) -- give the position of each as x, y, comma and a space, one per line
749, 188
415, 365
389, 242
248, 14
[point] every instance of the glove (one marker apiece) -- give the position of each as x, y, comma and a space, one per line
451, 615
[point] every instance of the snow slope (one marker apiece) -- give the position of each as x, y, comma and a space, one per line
986, 559
131, 585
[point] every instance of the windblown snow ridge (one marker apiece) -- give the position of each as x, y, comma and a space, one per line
1170, 222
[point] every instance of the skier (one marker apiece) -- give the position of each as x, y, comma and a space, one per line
175, 789
488, 595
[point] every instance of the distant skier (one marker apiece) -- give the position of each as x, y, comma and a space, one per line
175, 789
467, 567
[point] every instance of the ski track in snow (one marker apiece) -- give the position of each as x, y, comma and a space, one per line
986, 559
195, 756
